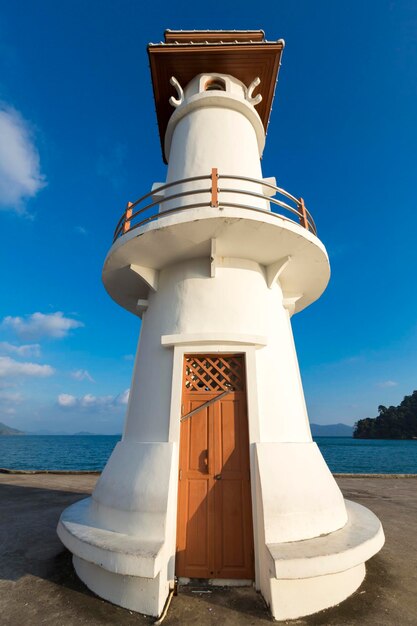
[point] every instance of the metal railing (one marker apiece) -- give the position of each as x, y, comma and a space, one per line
142, 211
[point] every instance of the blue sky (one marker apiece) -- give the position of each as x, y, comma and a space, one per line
78, 138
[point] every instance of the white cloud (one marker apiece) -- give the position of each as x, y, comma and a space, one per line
123, 398
10, 396
28, 350
38, 325
10, 367
129, 357
387, 383
89, 401
82, 375
20, 175
65, 399
81, 230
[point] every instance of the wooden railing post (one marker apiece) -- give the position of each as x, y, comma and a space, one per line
128, 215
303, 216
214, 188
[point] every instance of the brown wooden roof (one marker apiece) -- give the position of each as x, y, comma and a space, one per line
185, 54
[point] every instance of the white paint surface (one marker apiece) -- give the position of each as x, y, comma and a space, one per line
290, 599
144, 595
300, 498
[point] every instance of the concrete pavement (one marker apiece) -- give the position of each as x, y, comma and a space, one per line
38, 585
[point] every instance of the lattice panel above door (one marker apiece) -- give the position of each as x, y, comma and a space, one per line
214, 373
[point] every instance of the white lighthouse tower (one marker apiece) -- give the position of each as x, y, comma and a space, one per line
217, 476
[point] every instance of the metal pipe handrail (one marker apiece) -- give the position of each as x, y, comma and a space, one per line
311, 221
263, 183
235, 205
124, 224
196, 205
247, 192
271, 186
162, 188
232, 205
162, 200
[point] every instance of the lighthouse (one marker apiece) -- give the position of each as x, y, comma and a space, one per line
217, 476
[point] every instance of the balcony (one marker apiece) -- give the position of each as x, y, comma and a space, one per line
217, 191
223, 219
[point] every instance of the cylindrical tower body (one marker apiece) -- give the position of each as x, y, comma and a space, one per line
217, 475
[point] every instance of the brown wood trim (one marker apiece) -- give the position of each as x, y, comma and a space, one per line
216, 36
214, 188
128, 215
303, 216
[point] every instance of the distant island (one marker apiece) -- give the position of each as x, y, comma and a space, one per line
394, 422
331, 430
7, 430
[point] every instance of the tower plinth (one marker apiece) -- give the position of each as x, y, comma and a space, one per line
217, 476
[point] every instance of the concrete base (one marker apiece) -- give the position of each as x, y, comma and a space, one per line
123, 545
144, 595
312, 575
309, 557
304, 576
296, 598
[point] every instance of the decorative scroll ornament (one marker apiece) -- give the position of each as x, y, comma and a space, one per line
176, 102
257, 99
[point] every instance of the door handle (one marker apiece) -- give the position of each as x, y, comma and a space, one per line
217, 476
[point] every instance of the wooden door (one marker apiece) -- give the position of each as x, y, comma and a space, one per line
214, 522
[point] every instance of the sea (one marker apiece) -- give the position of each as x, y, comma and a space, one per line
90, 453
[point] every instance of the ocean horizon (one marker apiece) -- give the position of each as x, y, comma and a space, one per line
91, 452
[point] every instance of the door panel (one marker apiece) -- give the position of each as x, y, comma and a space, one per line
197, 532
194, 494
214, 522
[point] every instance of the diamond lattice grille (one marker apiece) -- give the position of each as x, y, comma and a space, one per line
213, 373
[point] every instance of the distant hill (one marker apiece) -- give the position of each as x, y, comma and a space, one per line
6, 430
331, 430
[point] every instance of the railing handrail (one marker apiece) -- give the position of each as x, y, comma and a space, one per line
263, 183
124, 224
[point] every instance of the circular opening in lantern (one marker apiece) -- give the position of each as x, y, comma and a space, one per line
215, 84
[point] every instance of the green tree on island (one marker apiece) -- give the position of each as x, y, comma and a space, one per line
394, 422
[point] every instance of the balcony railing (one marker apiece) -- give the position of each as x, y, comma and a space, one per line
142, 211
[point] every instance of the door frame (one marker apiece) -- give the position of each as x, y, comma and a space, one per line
247, 349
